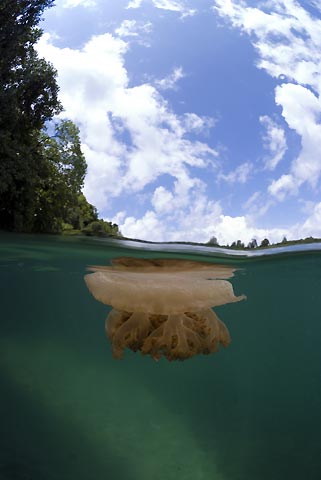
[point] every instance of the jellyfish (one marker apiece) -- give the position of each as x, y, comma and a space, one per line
163, 307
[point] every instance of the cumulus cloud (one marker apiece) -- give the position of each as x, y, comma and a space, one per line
274, 142
200, 222
301, 109
287, 39
195, 222
148, 227
95, 93
162, 200
132, 139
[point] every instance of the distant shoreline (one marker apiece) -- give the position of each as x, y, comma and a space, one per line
77, 233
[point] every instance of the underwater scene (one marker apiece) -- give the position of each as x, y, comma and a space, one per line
237, 397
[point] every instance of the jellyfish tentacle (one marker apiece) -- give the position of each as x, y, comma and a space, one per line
210, 328
174, 339
218, 333
114, 320
132, 332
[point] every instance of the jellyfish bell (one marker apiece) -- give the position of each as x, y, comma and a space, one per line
163, 292
163, 307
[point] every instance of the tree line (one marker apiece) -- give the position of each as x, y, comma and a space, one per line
42, 167
239, 245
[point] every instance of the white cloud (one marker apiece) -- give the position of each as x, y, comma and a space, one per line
312, 225
169, 82
201, 221
285, 185
240, 228
162, 200
287, 39
300, 107
240, 175
148, 227
178, 6
274, 142
131, 28
252, 201
257, 205
78, 3
134, 4
198, 124
95, 93
307, 206
205, 219
175, 6
131, 138
194, 223
301, 110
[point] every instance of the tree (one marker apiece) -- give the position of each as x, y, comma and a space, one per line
59, 199
82, 214
28, 98
213, 242
265, 242
101, 228
67, 154
252, 243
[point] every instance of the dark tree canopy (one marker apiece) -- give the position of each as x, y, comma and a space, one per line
265, 242
28, 98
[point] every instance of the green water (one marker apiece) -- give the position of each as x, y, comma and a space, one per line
69, 411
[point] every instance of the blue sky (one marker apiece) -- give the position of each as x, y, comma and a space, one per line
197, 118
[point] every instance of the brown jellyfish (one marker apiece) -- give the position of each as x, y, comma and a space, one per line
163, 307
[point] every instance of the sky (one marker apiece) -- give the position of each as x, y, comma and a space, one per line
198, 118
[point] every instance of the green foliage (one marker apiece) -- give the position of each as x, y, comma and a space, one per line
252, 243
59, 198
101, 228
65, 151
265, 242
67, 227
82, 213
28, 98
238, 245
213, 242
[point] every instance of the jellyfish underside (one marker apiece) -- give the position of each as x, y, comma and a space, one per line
163, 307
175, 336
